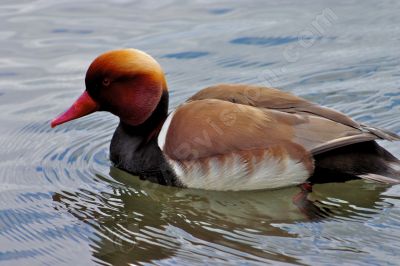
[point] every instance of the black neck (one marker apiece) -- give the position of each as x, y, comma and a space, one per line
135, 149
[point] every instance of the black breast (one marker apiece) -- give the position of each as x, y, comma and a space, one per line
140, 157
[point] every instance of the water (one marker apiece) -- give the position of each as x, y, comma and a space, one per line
61, 201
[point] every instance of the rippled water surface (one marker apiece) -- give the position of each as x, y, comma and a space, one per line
61, 202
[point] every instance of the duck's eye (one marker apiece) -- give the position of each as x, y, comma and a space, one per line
106, 82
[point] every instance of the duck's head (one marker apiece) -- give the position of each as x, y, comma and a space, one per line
128, 83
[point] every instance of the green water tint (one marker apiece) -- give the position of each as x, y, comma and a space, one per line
142, 221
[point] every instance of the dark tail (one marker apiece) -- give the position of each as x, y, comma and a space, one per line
366, 160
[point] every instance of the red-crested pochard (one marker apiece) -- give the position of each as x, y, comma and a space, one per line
228, 136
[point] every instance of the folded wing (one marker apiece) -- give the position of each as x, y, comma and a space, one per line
318, 129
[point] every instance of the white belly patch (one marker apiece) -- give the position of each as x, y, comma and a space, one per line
233, 172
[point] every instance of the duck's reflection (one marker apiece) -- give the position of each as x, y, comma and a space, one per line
142, 222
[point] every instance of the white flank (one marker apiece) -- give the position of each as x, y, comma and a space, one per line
232, 173
395, 166
163, 133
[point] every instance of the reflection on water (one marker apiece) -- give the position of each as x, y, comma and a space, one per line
141, 221
61, 202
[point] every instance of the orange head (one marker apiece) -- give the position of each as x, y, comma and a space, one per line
127, 82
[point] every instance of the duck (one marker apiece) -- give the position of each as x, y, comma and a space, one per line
226, 136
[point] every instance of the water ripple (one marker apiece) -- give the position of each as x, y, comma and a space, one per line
61, 196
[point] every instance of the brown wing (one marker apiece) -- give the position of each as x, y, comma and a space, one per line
207, 128
326, 129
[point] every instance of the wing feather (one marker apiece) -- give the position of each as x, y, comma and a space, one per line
318, 128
